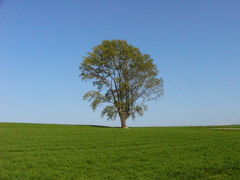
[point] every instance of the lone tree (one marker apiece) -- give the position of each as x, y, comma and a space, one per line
125, 79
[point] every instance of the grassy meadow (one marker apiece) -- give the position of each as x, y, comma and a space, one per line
42, 151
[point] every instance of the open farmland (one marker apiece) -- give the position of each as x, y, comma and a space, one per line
41, 151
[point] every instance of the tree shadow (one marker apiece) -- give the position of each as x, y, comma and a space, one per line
98, 126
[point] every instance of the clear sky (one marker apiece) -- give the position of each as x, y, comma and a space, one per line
195, 44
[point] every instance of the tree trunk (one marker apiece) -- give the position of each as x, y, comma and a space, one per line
123, 118
123, 123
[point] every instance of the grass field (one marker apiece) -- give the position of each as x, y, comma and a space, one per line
38, 151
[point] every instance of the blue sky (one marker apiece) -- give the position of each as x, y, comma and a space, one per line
195, 44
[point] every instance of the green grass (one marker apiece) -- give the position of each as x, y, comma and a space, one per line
38, 151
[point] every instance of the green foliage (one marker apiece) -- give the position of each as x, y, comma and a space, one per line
96, 98
68, 152
125, 78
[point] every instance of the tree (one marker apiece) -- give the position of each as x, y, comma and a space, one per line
124, 79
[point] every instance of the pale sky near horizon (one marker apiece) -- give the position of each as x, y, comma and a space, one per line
195, 44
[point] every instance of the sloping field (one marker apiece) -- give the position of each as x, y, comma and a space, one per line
38, 151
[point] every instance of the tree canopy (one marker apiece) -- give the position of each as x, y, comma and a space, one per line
125, 79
